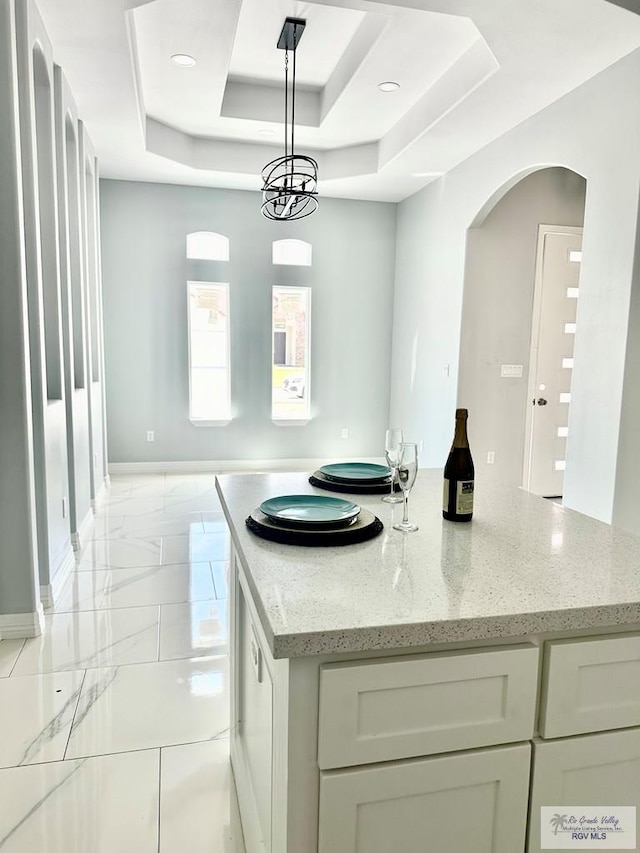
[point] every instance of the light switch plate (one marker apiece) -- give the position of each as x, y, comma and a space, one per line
511, 371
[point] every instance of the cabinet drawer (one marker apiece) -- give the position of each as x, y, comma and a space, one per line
449, 804
591, 685
425, 704
594, 770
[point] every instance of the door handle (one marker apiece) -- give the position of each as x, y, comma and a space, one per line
540, 401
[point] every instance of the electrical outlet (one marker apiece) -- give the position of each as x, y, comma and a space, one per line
446, 369
151, 436
420, 446
345, 432
491, 457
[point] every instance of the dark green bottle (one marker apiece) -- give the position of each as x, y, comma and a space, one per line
457, 498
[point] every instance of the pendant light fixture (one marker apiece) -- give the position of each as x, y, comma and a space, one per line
290, 183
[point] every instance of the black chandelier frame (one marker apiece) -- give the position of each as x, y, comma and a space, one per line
290, 182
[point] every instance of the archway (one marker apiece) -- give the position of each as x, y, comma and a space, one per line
497, 311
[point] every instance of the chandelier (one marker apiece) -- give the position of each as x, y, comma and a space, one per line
289, 189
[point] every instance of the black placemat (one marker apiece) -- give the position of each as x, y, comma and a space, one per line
319, 480
367, 527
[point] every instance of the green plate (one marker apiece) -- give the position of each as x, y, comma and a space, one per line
364, 472
310, 509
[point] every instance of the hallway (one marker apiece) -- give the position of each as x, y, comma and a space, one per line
114, 723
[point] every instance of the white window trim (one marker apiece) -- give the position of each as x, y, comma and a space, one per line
306, 418
204, 422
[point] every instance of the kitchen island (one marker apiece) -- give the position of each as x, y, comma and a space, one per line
431, 690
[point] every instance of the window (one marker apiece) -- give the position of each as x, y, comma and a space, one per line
209, 393
207, 246
290, 361
291, 252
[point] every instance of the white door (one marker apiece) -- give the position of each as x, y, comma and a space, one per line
456, 803
551, 363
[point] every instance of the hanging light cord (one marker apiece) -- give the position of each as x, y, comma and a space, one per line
293, 99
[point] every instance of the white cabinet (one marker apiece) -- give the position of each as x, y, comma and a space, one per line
456, 803
416, 705
595, 770
591, 685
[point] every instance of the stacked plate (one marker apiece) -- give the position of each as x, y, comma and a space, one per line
353, 477
313, 520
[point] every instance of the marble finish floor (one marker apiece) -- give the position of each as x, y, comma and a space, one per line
114, 724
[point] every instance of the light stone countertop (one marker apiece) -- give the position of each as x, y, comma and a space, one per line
524, 565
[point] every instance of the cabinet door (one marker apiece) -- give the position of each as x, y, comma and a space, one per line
468, 801
593, 770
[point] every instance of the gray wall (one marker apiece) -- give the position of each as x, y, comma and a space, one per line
497, 312
144, 228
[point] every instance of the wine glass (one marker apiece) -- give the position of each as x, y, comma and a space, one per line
392, 444
407, 472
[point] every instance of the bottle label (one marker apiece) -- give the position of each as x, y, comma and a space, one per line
445, 495
464, 497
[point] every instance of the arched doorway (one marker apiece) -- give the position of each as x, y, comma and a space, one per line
498, 312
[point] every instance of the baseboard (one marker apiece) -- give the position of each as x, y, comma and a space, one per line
20, 626
82, 533
101, 495
224, 466
50, 592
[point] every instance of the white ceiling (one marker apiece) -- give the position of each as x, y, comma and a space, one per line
468, 72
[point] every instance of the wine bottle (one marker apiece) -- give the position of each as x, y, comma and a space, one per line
457, 499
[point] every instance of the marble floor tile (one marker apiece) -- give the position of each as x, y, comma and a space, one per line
198, 503
220, 572
160, 524
83, 591
149, 705
193, 630
197, 809
9, 651
90, 639
196, 547
105, 527
120, 554
158, 585
131, 506
36, 712
93, 805
214, 524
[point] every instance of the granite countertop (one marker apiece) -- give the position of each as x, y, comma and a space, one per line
524, 565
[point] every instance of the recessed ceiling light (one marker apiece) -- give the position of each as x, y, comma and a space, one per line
389, 86
183, 60
426, 174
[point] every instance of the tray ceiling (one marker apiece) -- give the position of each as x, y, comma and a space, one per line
468, 72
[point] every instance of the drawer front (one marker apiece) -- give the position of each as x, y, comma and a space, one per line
591, 685
595, 770
425, 704
447, 804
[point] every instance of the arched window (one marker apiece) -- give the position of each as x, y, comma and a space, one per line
292, 252
207, 246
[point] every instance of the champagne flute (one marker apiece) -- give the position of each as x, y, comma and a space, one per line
392, 444
407, 472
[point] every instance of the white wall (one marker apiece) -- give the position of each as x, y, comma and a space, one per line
594, 131
144, 230
497, 313
38, 445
